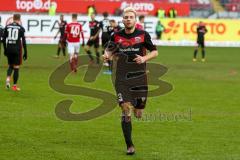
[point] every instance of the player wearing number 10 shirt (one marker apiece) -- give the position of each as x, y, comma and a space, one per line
13, 40
73, 33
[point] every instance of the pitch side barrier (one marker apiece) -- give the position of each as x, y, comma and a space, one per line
41, 29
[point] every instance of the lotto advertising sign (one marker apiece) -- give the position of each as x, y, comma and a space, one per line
185, 29
41, 29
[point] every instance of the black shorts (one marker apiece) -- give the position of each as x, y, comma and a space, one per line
105, 39
93, 42
104, 42
62, 42
137, 96
201, 44
14, 59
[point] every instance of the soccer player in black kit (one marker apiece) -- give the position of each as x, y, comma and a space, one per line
104, 24
131, 79
62, 40
94, 39
1, 35
113, 28
201, 31
13, 40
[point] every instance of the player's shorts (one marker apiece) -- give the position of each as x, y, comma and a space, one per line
93, 42
62, 42
105, 39
136, 95
73, 47
201, 44
14, 58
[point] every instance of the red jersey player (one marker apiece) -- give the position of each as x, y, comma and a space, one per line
140, 24
73, 33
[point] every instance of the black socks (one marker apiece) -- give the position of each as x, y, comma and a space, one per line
90, 55
15, 75
127, 130
9, 71
98, 57
63, 50
203, 54
195, 53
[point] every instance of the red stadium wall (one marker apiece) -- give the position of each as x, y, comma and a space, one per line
80, 6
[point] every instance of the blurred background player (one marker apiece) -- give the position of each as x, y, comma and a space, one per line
130, 82
140, 24
113, 28
104, 24
201, 31
1, 34
94, 39
13, 40
73, 33
62, 40
159, 30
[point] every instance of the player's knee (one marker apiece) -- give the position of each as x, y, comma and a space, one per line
125, 118
96, 50
16, 66
126, 108
86, 48
138, 113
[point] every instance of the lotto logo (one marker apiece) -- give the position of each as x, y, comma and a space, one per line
138, 6
34, 4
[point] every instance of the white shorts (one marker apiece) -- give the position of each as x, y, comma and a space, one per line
73, 47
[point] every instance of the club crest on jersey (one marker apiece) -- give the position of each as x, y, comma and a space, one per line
138, 39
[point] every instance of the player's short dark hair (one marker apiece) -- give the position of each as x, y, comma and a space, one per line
16, 17
105, 14
141, 17
74, 16
112, 21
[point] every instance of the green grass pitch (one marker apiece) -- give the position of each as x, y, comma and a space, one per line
206, 93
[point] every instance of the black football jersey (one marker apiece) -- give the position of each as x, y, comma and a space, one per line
112, 30
126, 47
201, 31
62, 26
104, 24
1, 32
14, 38
94, 27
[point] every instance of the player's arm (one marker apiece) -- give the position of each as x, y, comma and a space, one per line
1, 33
57, 32
96, 35
67, 30
4, 38
163, 27
82, 35
24, 44
206, 30
110, 49
151, 47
